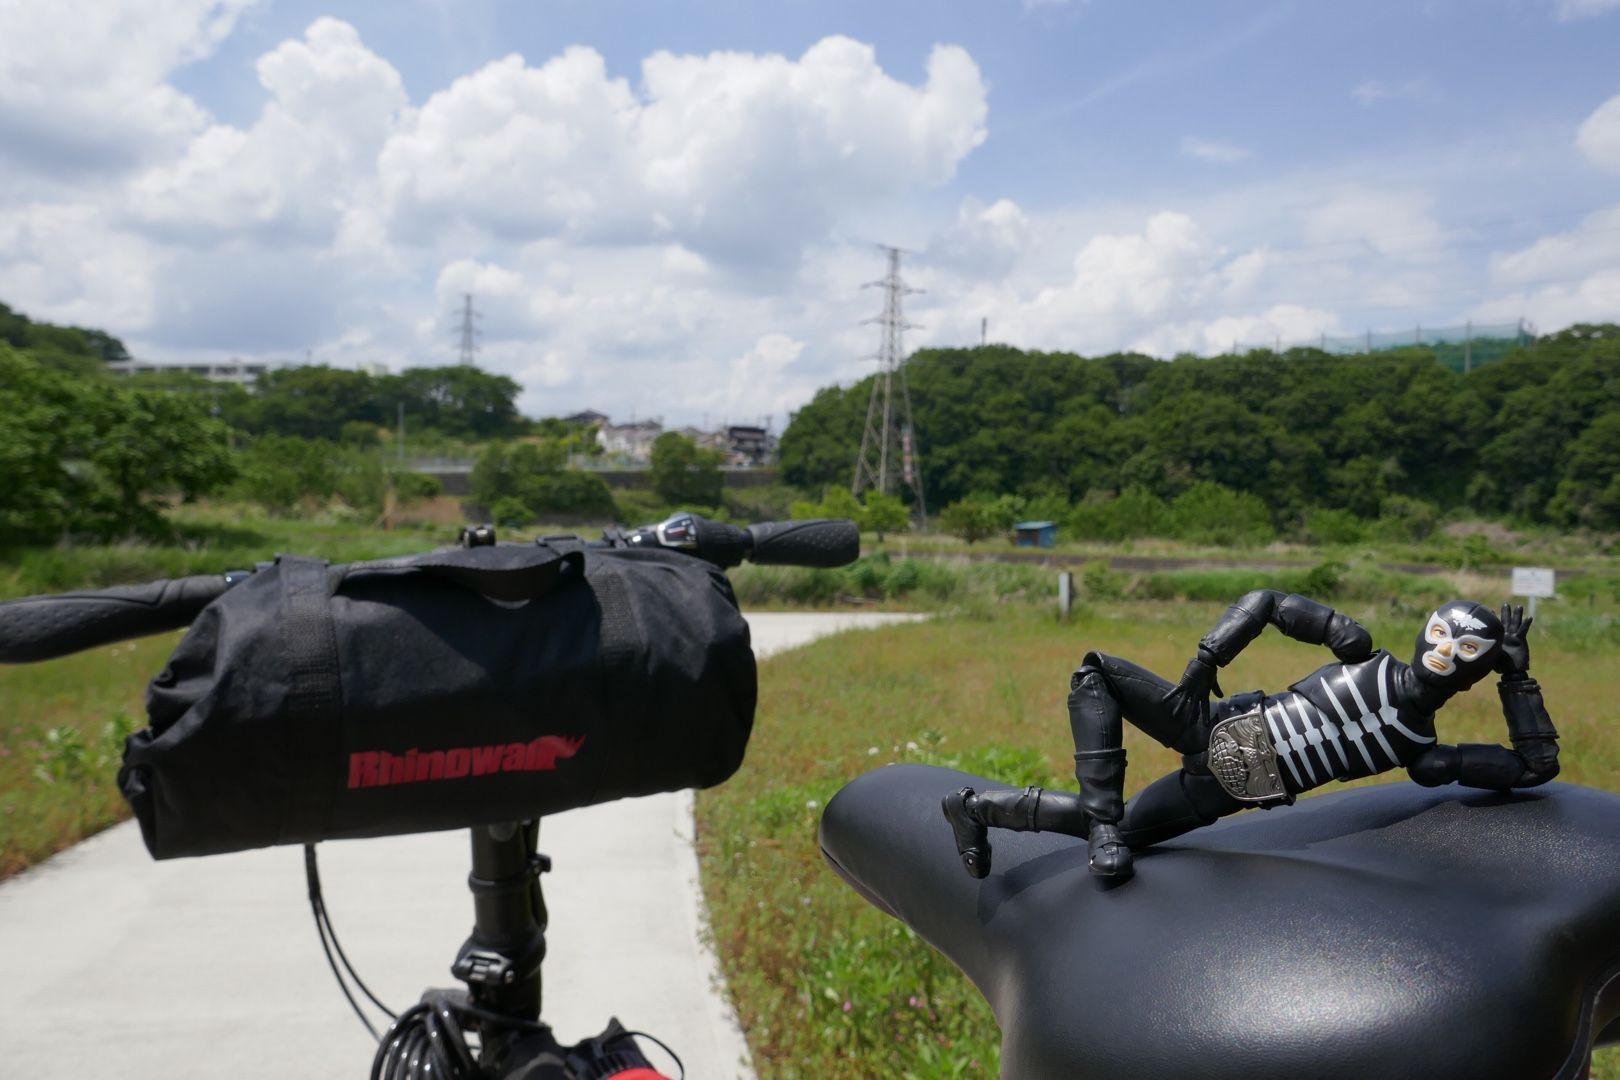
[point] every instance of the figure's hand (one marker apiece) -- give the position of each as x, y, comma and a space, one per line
1197, 682
1348, 639
1515, 656
1540, 757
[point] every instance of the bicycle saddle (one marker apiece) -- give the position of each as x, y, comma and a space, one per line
1390, 931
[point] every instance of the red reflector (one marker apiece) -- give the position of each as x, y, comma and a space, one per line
638, 1073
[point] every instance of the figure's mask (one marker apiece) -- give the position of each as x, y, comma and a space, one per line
1458, 645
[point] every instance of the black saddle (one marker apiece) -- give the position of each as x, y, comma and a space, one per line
1390, 931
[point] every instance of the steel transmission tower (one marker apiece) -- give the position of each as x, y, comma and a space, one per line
889, 444
469, 331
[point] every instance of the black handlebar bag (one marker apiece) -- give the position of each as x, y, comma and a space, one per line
438, 691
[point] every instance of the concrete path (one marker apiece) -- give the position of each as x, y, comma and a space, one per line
114, 965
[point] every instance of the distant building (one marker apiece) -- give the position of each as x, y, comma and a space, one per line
588, 418
1035, 534
633, 440
705, 440
241, 372
749, 447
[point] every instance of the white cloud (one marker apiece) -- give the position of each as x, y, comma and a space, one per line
1396, 224
1570, 10
761, 382
1594, 298
66, 263
1212, 150
738, 157
1592, 245
1374, 91
1560, 279
1599, 136
304, 163
84, 83
983, 240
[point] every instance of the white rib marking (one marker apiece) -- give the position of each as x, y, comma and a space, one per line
1280, 743
1350, 726
1388, 712
1306, 731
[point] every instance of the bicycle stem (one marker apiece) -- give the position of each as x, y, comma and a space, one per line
500, 960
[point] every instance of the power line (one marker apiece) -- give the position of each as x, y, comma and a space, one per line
892, 440
470, 333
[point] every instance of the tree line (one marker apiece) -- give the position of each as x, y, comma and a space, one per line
1112, 445
92, 455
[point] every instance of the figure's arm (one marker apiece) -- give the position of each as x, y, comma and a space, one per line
1534, 757
1298, 617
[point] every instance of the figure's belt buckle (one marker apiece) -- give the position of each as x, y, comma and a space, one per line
1243, 759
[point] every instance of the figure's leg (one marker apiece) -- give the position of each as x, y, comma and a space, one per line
1173, 804
1103, 691
1030, 810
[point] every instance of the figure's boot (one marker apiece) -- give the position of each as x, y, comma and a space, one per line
972, 838
1099, 765
1102, 792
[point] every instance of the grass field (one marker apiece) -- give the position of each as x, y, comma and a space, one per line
827, 987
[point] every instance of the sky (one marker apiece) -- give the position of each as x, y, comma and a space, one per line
674, 210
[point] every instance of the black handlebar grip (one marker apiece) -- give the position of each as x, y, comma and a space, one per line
719, 543
43, 627
826, 543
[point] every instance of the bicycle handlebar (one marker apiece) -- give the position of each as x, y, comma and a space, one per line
823, 543
44, 627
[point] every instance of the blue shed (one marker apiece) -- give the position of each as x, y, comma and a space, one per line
1035, 533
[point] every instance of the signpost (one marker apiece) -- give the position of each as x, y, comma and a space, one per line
1532, 581
1065, 595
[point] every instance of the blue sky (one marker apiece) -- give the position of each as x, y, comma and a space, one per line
669, 209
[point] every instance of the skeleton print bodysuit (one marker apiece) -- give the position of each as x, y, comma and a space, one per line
1346, 721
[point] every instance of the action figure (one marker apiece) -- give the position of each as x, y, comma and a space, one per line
1366, 714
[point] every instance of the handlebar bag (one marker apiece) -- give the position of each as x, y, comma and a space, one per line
463, 687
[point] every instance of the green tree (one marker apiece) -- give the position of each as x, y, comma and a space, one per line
459, 401
883, 514
280, 471
43, 423
980, 516
683, 474
531, 474
1589, 493
85, 455
147, 443
312, 402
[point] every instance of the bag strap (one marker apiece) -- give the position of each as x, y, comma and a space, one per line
313, 731
507, 572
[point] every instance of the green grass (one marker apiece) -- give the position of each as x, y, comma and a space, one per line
827, 987
61, 738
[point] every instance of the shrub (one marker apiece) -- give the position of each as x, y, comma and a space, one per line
1333, 527
980, 516
1208, 513
1135, 512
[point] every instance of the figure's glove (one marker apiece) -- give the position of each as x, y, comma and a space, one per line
1514, 658
1348, 639
1540, 756
1197, 682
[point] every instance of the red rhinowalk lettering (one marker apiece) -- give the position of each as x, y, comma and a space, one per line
384, 768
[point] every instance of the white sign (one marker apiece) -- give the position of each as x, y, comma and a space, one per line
1532, 581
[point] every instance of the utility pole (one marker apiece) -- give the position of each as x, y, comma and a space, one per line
469, 331
891, 440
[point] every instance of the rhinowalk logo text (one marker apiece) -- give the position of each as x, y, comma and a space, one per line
380, 768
